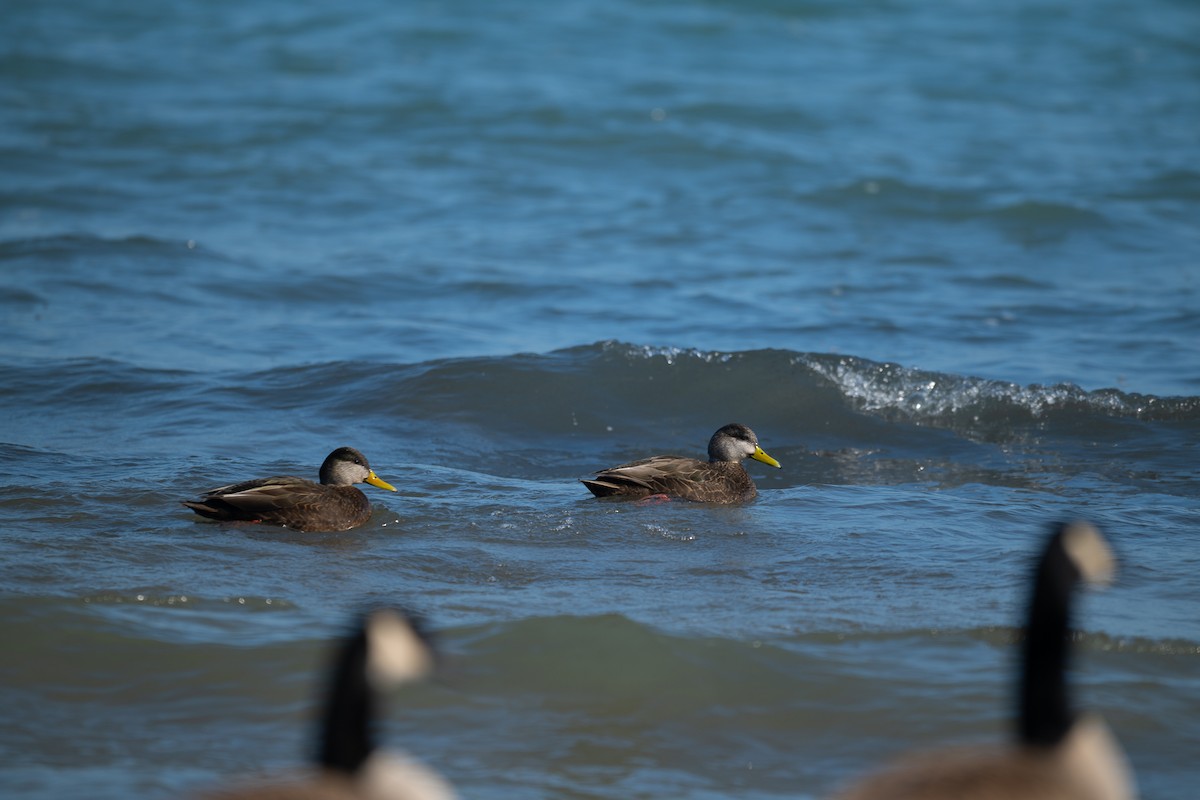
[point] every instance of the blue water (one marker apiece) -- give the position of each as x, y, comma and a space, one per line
942, 258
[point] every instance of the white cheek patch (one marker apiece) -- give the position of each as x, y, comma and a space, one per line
1087, 548
395, 653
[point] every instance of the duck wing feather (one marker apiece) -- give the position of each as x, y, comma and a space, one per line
675, 476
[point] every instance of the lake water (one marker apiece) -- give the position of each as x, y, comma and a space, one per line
943, 258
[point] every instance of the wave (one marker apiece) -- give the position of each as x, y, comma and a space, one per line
606, 387
574, 643
916, 394
834, 419
906, 200
865, 385
588, 639
598, 656
924, 395
868, 386
831, 419
72, 244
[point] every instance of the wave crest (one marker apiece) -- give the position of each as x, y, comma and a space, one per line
920, 394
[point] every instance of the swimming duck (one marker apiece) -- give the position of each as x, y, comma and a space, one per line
1057, 754
386, 649
331, 505
721, 479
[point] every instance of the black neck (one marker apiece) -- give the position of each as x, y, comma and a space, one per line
347, 738
1045, 713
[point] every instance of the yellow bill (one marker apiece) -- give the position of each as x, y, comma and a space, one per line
375, 480
761, 455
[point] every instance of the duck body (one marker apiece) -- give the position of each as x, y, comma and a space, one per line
676, 476
721, 479
334, 504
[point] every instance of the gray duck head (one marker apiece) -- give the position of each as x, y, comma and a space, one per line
346, 467
736, 442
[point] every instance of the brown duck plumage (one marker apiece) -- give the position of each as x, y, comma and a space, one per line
721, 479
331, 505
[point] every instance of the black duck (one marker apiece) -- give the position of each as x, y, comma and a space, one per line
331, 505
721, 479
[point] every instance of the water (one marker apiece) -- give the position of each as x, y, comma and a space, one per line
942, 258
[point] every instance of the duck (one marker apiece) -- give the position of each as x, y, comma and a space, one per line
1058, 754
388, 647
331, 505
721, 479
